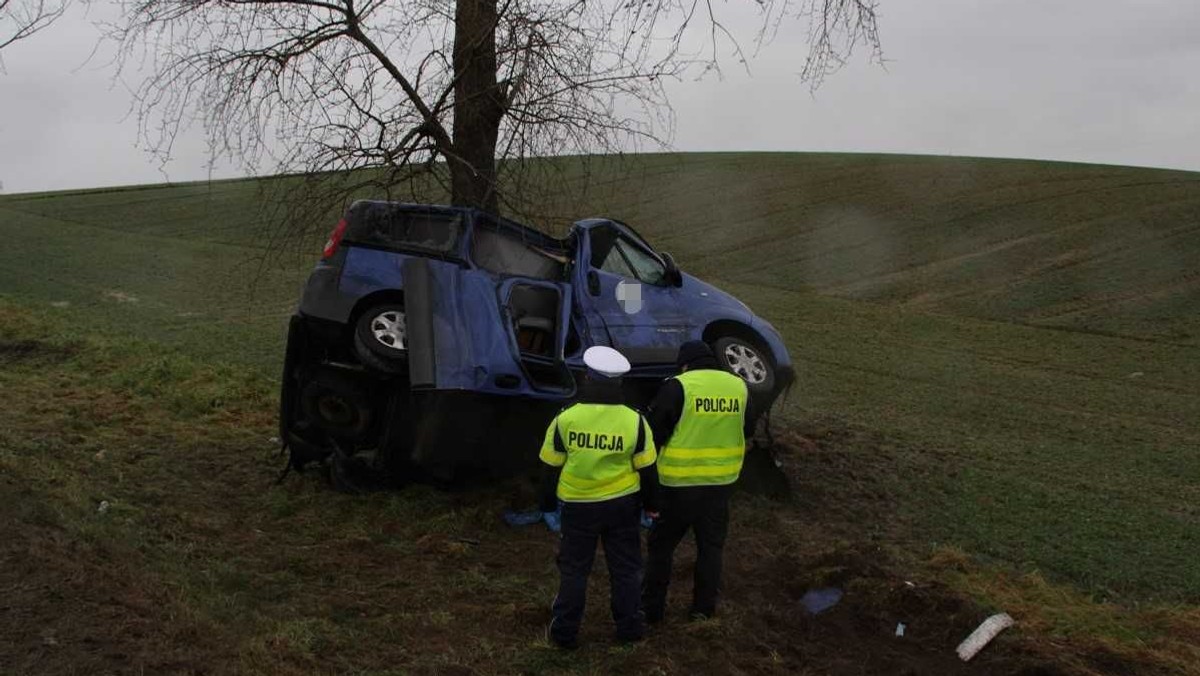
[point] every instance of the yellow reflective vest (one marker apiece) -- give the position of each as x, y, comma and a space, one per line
600, 447
708, 444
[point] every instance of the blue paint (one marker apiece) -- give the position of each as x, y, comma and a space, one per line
817, 601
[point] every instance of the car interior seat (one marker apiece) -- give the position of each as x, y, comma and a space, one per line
533, 310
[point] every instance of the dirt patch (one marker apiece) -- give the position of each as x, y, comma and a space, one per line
858, 635
33, 352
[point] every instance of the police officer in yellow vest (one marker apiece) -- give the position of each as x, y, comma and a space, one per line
598, 447
698, 420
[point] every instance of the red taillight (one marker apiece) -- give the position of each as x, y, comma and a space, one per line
335, 238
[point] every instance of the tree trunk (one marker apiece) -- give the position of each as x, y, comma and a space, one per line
478, 106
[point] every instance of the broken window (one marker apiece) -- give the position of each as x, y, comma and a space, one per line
507, 251
388, 226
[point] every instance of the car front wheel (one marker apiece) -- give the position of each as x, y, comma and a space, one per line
748, 361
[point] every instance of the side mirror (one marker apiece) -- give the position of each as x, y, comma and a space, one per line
674, 277
593, 282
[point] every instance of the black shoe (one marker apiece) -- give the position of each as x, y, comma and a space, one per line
572, 644
632, 638
652, 616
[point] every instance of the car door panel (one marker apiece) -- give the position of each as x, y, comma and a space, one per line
645, 321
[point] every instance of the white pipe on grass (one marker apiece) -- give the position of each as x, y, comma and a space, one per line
983, 635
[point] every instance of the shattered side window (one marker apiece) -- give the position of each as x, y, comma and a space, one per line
504, 252
429, 231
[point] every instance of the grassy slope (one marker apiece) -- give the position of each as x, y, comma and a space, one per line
179, 264
199, 566
1039, 447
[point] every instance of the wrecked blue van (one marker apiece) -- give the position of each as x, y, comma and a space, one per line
445, 338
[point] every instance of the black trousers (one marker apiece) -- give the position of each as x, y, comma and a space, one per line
705, 511
615, 523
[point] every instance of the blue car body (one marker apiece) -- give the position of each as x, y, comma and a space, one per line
497, 316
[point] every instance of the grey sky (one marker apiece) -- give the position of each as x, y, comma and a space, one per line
1097, 81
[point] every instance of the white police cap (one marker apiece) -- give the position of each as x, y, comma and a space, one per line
606, 361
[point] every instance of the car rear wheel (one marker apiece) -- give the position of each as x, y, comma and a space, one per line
748, 361
381, 338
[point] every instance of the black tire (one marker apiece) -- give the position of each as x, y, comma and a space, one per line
748, 360
338, 406
381, 338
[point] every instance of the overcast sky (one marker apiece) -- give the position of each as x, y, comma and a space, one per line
1109, 81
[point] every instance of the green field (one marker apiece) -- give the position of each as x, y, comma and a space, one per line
1009, 351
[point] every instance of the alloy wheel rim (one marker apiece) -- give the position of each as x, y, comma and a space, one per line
389, 329
745, 362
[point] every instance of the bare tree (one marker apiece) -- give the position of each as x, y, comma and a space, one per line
21, 18
372, 95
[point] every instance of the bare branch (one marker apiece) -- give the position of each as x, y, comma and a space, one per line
20, 19
354, 98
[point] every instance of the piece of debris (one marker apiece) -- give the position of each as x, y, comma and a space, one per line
647, 520
817, 601
1136, 374
983, 635
99, 455
528, 518
48, 637
900, 627
121, 296
60, 304
274, 441
103, 507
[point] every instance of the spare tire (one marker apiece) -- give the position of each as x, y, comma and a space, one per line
747, 360
381, 338
338, 406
